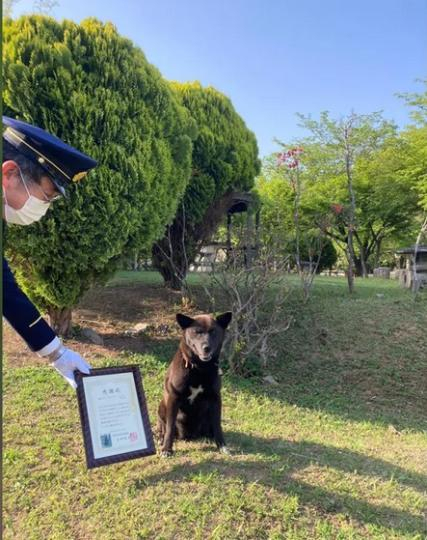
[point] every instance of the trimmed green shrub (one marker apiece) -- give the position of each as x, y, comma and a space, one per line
95, 90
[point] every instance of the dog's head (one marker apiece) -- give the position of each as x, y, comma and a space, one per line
204, 334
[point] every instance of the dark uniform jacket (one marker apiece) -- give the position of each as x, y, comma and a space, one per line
64, 165
23, 315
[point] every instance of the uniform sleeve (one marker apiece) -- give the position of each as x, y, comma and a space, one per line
24, 317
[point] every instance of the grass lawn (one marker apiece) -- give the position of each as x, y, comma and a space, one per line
337, 450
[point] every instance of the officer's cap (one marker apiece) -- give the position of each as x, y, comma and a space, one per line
63, 163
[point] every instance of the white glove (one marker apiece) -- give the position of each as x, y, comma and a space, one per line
67, 362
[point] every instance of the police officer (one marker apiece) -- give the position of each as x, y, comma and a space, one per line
37, 170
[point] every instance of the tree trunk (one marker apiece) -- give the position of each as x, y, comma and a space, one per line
415, 282
297, 224
364, 270
171, 280
173, 270
60, 320
352, 216
176, 251
350, 258
377, 252
135, 266
361, 268
360, 262
358, 267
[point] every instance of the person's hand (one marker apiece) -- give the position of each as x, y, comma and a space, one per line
67, 362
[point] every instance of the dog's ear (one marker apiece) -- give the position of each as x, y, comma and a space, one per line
224, 319
184, 321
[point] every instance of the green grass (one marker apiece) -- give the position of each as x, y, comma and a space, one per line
151, 278
338, 450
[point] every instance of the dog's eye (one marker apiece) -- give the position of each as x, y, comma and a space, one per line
199, 331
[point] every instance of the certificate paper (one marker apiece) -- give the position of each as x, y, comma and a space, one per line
114, 415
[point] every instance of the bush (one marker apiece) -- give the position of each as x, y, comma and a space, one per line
224, 160
96, 91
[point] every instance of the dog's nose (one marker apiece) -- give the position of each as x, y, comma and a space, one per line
206, 348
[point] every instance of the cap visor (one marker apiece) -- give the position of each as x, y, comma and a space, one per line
59, 187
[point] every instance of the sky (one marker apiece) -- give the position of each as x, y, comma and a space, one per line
274, 58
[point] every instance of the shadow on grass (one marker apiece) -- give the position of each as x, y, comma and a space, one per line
336, 392
284, 459
397, 413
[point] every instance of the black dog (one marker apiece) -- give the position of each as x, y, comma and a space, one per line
191, 404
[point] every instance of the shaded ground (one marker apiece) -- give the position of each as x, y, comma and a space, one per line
112, 312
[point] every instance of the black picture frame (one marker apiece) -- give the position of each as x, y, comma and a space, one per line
91, 460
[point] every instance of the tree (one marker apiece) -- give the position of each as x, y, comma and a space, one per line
418, 102
290, 162
276, 208
416, 136
416, 161
278, 227
96, 91
307, 268
224, 160
386, 195
342, 142
386, 202
387, 199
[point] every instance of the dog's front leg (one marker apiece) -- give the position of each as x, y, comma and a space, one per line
169, 435
216, 425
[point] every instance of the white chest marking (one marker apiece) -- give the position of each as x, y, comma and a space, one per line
194, 393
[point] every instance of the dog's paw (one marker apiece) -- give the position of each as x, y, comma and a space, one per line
224, 450
166, 453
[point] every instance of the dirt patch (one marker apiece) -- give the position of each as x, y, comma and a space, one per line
113, 313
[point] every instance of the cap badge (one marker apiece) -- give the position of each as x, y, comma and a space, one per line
77, 177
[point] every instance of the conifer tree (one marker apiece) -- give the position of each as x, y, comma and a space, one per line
224, 161
95, 90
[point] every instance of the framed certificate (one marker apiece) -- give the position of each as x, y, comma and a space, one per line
114, 416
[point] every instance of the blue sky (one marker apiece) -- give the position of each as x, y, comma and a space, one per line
274, 58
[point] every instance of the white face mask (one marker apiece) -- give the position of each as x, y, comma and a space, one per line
33, 209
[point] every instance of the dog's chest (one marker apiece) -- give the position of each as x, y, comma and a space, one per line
194, 392
200, 387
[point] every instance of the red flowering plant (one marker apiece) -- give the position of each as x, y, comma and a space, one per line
337, 209
340, 216
290, 161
